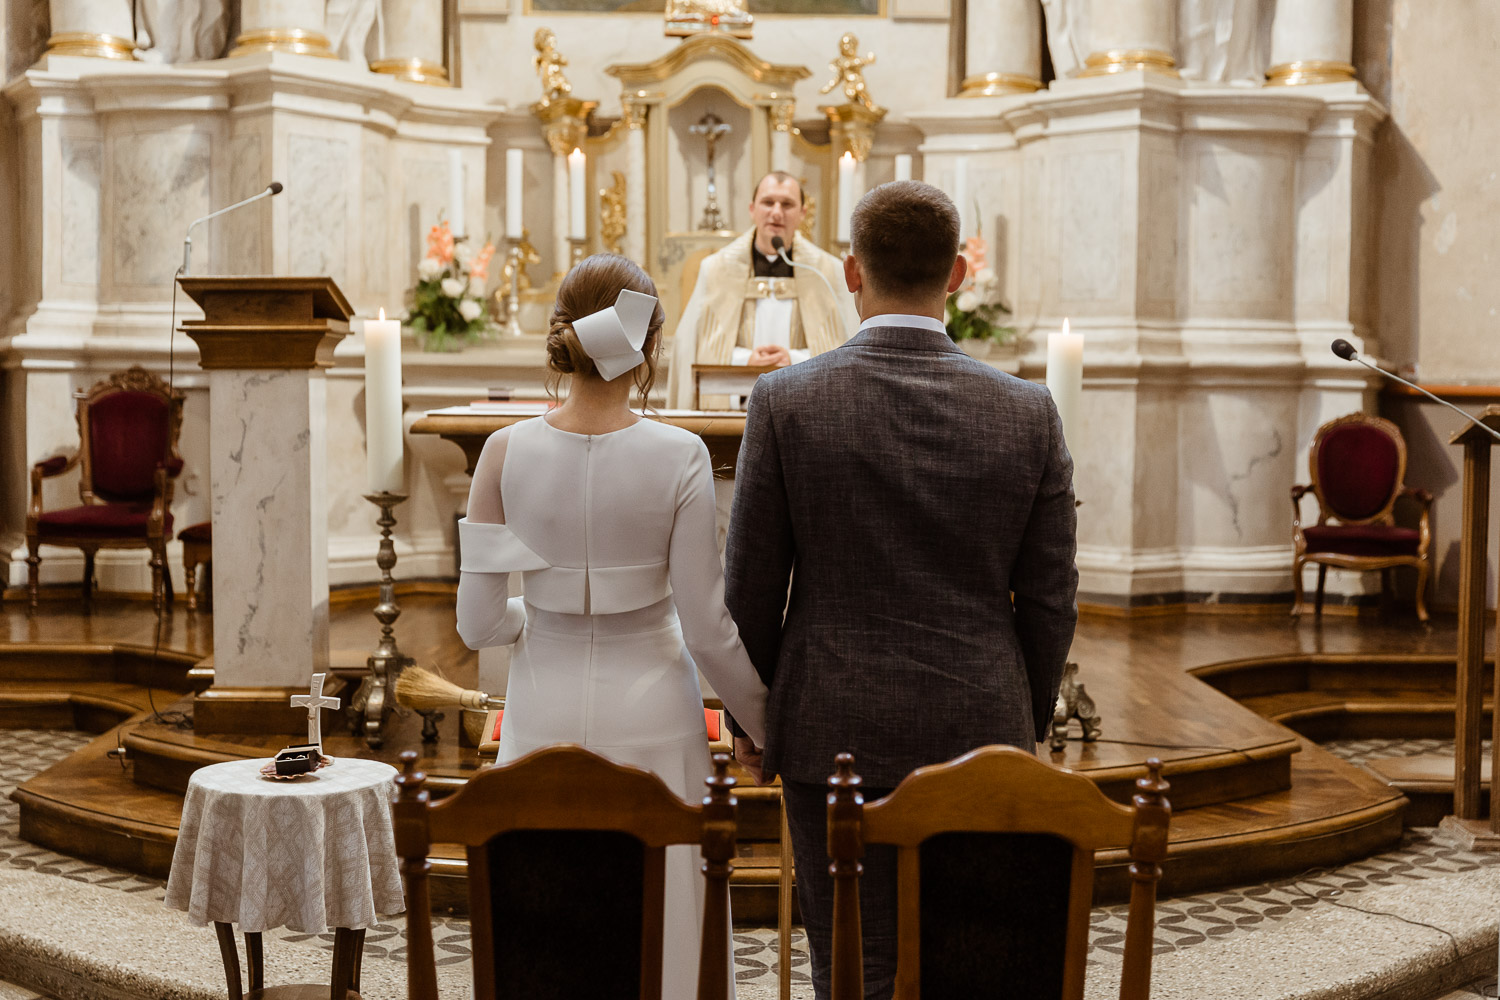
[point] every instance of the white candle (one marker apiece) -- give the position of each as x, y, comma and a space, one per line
515, 176
961, 194
456, 192
1065, 378
383, 440
903, 166
577, 224
846, 195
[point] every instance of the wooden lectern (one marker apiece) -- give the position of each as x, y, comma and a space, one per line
1467, 826
725, 380
265, 343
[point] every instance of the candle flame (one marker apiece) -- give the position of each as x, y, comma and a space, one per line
1065, 326
576, 152
847, 156
382, 314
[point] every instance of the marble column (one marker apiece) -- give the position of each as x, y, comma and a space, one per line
635, 181
412, 41
99, 28
282, 26
1002, 48
1312, 41
1127, 35
781, 134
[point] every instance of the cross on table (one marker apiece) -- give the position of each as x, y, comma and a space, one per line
315, 700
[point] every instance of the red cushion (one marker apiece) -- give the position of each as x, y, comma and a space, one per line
202, 532
128, 434
1357, 469
1362, 540
110, 520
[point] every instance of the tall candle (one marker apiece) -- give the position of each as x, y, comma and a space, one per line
1065, 378
846, 195
577, 224
384, 472
903, 166
961, 194
456, 192
515, 176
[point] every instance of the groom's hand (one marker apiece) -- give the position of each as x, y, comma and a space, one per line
750, 757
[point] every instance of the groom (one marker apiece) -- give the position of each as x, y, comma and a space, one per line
920, 506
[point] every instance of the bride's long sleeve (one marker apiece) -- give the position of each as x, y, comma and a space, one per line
487, 614
697, 579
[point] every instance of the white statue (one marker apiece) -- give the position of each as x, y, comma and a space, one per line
1067, 34
313, 701
177, 31
352, 29
1225, 41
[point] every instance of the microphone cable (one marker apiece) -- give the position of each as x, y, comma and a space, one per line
779, 245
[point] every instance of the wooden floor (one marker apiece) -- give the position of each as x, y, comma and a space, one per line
1209, 694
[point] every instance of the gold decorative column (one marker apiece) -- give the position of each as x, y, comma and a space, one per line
1002, 48
780, 112
636, 109
1312, 41
565, 124
412, 36
1126, 35
294, 26
100, 29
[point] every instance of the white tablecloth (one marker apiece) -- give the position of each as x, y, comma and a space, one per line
313, 853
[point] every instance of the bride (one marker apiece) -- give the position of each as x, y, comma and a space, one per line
610, 518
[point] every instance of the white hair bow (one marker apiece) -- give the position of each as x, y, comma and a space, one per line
613, 337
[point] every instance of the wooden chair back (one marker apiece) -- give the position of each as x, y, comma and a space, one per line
995, 875
566, 856
128, 426
1358, 468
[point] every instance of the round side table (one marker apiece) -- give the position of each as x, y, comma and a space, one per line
311, 853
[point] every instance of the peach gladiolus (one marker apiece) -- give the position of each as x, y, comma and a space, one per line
440, 242
480, 266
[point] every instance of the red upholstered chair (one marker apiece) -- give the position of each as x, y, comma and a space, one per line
127, 429
1358, 465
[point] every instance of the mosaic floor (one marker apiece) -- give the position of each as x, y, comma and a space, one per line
1182, 922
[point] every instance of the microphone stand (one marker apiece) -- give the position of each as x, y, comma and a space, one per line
1350, 354
273, 188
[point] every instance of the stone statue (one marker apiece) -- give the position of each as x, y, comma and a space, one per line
1225, 41
549, 63
175, 31
849, 72
1067, 34
351, 25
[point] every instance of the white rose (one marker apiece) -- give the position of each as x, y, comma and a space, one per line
429, 268
454, 287
968, 301
463, 253
476, 287
983, 276
469, 310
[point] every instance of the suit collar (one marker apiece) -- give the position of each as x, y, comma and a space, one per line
903, 338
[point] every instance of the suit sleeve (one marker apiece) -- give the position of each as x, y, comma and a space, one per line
1044, 580
759, 551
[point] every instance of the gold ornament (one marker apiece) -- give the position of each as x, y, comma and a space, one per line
849, 73
549, 63
612, 213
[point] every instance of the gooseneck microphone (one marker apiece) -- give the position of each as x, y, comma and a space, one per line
1346, 350
273, 188
779, 245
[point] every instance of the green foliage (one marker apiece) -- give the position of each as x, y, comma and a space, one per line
978, 323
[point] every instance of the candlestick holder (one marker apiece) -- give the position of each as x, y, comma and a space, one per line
374, 700
575, 251
513, 302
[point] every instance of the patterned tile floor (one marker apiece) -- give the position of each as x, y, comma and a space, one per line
1182, 922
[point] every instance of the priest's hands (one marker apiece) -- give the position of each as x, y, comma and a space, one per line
750, 757
770, 354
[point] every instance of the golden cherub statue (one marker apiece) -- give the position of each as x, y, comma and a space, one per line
549, 63
849, 71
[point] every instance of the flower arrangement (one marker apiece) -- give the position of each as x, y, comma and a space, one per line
975, 309
448, 302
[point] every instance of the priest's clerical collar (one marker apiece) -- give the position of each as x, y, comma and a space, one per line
763, 266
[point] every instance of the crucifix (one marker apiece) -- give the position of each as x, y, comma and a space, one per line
313, 701
712, 128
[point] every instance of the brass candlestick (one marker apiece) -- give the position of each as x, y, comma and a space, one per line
513, 303
373, 701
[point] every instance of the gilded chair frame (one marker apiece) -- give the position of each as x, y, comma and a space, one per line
565, 787
1421, 561
134, 379
996, 789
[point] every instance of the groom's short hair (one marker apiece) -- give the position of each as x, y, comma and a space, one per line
905, 237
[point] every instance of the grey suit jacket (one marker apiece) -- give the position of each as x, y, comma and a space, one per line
920, 506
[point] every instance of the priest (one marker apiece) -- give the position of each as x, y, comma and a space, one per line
752, 307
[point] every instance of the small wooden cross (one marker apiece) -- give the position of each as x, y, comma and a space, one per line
314, 700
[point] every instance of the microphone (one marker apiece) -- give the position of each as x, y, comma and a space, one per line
1346, 350
779, 245
273, 188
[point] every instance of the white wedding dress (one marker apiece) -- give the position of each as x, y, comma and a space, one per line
615, 537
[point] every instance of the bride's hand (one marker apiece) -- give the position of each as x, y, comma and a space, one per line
750, 757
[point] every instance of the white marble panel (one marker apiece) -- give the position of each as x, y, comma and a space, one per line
1237, 452
1158, 240
1241, 232
270, 514
425, 178
1103, 451
82, 157
1091, 201
376, 245
158, 186
318, 231
248, 174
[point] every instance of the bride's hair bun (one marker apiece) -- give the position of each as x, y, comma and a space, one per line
591, 286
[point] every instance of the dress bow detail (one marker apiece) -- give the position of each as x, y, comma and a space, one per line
613, 337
